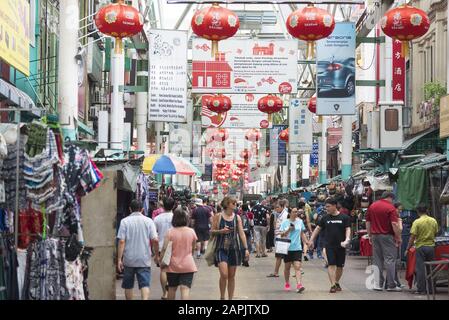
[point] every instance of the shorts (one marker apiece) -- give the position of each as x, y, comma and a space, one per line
260, 235
293, 256
179, 279
202, 234
229, 256
336, 256
143, 277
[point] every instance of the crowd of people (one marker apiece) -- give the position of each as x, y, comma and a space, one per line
227, 234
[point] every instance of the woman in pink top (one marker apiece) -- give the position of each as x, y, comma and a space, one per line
182, 266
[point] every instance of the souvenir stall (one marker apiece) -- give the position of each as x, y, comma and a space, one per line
43, 180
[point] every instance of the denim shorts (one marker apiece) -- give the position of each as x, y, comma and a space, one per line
143, 277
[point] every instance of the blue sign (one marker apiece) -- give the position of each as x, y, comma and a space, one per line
278, 147
314, 155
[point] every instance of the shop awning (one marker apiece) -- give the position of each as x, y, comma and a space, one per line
17, 97
85, 129
408, 143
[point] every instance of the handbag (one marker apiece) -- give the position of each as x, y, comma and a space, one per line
209, 255
167, 255
282, 245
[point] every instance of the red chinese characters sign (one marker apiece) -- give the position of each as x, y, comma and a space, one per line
398, 72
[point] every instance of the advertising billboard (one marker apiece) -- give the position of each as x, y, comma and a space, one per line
300, 124
245, 66
244, 113
278, 147
167, 76
336, 71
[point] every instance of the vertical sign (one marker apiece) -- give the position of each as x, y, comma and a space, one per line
300, 124
180, 135
398, 72
278, 147
167, 76
314, 155
336, 72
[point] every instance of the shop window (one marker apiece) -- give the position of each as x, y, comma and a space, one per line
391, 120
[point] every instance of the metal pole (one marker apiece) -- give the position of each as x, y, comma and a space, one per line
117, 108
346, 159
323, 152
16, 221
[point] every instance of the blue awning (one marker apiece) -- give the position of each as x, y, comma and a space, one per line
17, 97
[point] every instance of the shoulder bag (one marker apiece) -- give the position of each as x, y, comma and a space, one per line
167, 254
209, 255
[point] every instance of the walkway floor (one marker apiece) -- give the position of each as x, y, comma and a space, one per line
252, 283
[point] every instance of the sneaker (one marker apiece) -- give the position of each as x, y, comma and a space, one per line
377, 288
333, 289
311, 256
306, 258
299, 288
337, 285
395, 289
198, 255
287, 287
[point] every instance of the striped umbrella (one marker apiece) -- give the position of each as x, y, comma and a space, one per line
169, 164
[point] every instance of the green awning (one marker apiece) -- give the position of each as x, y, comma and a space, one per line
85, 129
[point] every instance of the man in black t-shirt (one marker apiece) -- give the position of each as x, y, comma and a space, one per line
337, 229
261, 226
201, 223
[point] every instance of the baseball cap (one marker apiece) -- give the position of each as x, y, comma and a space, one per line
199, 201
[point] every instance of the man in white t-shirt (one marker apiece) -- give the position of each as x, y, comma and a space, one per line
281, 211
163, 223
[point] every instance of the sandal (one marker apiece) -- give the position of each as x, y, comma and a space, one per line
264, 255
272, 275
257, 256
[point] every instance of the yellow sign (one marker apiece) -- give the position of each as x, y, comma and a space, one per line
15, 34
444, 117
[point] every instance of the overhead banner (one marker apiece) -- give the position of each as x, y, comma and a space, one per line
245, 66
167, 76
180, 135
398, 72
244, 113
336, 71
278, 147
270, 1
15, 34
301, 130
314, 155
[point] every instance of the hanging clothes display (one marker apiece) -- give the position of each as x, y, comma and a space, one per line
9, 288
143, 192
45, 277
74, 275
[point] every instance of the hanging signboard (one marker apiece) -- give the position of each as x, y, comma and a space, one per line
398, 72
15, 34
314, 155
180, 135
278, 147
244, 113
336, 71
300, 124
167, 75
245, 66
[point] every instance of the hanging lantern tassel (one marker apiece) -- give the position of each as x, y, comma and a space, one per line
310, 53
320, 119
214, 50
118, 45
270, 118
219, 119
405, 49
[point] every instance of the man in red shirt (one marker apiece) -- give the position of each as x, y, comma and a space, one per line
382, 224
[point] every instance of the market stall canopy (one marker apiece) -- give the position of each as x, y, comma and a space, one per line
169, 164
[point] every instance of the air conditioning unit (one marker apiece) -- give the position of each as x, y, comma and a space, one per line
391, 130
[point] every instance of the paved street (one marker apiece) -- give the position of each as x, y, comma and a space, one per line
252, 283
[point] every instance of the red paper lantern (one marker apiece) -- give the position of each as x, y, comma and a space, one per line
246, 154
253, 135
270, 104
119, 20
215, 191
215, 23
242, 165
219, 104
238, 172
235, 178
220, 178
312, 105
284, 135
217, 153
220, 172
267, 153
405, 23
220, 135
225, 185
310, 24
221, 164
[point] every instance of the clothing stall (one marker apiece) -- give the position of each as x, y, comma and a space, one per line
43, 180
